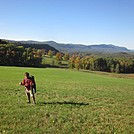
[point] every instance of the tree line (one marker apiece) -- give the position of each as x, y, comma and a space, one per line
11, 54
117, 65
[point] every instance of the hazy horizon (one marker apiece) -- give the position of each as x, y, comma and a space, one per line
68, 42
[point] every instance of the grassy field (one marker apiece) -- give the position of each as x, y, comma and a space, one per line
68, 102
52, 61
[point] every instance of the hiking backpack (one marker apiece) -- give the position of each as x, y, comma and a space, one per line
34, 83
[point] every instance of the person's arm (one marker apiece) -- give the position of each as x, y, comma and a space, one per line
23, 82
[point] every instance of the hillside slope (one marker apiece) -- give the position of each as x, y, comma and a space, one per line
32, 44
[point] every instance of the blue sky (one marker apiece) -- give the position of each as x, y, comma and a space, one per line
69, 21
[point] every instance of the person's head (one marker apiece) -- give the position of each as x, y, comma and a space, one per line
27, 75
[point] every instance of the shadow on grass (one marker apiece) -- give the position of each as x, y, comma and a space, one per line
65, 103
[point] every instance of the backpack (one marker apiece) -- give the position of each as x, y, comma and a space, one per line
34, 84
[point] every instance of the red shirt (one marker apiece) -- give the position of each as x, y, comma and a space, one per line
27, 83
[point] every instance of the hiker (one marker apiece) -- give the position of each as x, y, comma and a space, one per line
29, 85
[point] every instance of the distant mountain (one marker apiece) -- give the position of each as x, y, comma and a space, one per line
87, 48
108, 48
77, 47
32, 44
82, 48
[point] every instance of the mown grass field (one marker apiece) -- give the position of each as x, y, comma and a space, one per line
68, 102
52, 61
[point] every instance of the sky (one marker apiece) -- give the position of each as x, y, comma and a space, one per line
69, 21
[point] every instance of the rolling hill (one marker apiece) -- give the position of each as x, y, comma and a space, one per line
80, 47
52, 45
32, 44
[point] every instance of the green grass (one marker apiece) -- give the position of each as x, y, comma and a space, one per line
68, 102
53, 61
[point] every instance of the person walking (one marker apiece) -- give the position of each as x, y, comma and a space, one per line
29, 84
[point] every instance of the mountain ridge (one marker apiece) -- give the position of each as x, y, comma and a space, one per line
70, 47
